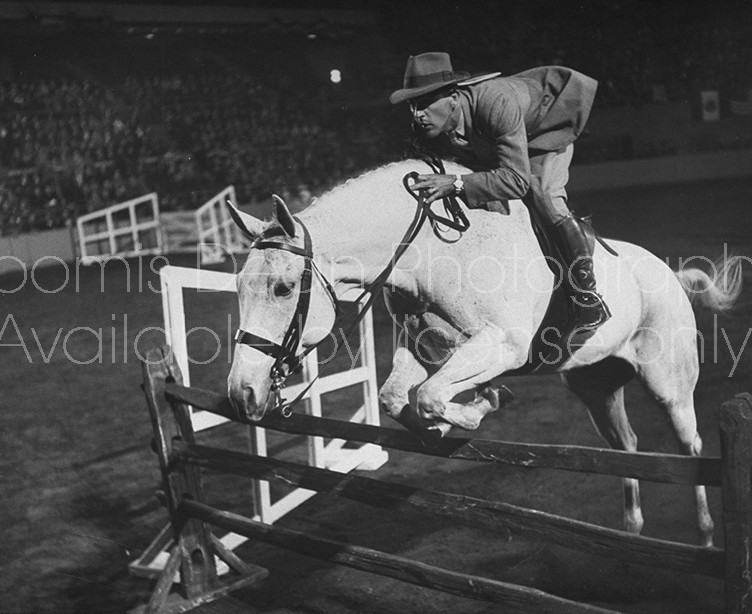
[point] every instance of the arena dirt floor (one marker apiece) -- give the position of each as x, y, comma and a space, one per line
78, 477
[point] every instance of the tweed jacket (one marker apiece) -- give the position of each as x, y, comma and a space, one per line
505, 120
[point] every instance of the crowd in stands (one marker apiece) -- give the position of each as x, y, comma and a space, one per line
69, 147
80, 142
639, 52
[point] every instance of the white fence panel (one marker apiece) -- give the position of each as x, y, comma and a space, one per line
217, 233
332, 456
127, 229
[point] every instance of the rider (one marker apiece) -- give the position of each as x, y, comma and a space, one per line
516, 133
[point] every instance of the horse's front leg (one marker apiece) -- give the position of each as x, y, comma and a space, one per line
407, 372
486, 355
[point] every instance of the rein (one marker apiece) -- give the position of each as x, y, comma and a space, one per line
286, 362
457, 219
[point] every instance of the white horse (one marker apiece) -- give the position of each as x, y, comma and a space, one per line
468, 306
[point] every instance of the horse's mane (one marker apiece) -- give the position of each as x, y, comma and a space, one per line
362, 176
399, 168
335, 194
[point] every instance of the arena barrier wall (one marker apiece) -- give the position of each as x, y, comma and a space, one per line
36, 250
193, 547
217, 234
660, 171
127, 229
332, 455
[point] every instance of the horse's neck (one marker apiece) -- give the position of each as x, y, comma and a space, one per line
357, 228
354, 242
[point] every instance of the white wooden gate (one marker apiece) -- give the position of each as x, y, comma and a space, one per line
217, 234
332, 455
127, 229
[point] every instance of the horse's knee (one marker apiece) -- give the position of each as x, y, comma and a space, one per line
430, 403
391, 401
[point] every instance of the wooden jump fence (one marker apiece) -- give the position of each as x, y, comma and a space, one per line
193, 546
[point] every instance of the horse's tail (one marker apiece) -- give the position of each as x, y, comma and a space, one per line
718, 291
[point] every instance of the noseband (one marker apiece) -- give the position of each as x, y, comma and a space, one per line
286, 361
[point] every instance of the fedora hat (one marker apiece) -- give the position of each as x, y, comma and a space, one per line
427, 73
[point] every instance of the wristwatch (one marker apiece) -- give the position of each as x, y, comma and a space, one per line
459, 185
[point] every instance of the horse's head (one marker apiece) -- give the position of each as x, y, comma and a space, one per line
286, 305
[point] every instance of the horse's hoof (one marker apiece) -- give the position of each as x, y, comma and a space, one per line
442, 428
497, 396
430, 434
505, 395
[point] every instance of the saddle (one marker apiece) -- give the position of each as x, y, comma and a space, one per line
558, 335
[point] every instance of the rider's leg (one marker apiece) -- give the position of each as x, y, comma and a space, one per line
550, 173
548, 189
575, 249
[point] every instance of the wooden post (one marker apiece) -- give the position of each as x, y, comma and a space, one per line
194, 548
736, 454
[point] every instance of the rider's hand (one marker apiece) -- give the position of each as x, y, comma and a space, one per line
436, 186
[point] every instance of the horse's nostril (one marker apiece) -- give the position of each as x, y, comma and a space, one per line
242, 399
248, 397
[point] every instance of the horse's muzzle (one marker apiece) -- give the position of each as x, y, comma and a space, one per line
247, 390
242, 401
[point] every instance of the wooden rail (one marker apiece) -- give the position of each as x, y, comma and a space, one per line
516, 598
181, 461
667, 468
480, 513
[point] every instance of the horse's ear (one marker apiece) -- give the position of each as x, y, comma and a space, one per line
284, 217
250, 226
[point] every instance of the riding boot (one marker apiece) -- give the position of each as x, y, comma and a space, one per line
572, 242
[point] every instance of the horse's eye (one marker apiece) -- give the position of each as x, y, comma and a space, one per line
283, 289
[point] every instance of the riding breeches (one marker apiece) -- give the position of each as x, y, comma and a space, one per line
549, 175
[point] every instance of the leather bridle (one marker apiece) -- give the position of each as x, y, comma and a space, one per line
286, 361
